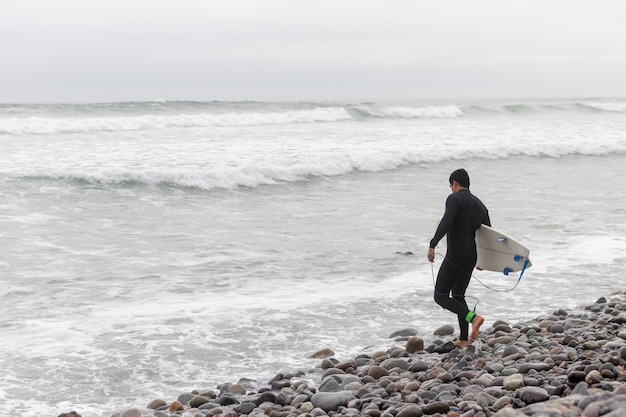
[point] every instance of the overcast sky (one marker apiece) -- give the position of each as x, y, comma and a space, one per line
114, 50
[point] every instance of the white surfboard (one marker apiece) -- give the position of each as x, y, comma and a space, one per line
499, 252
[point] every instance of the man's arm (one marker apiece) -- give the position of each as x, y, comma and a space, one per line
452, 207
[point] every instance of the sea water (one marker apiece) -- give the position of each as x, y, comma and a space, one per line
152, 248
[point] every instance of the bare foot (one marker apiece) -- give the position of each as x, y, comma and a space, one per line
477, 321
461, 343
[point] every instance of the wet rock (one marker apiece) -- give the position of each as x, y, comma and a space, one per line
403, 333
446, 347
265, 397
133, 412
444, 330
176, 406
156, 404
414, 344
331, 401
323, 354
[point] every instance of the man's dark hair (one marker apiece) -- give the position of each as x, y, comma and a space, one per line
461, 176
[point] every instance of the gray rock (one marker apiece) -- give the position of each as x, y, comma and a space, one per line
395, 363
70, 414
444, 330
237, 389
278, 385
502, 402
531, 395
265, 397
621, 354
510, 350
485, 400
418, 366
323, 354
513, 382
436, 407
580, 389
184, 398
377, 372
331, 401
444, 348
403, 333
410, 411
197, 401
414, 344
526, 367
246, 408
226, 400
316, 412
509, 412
557, 328
156, 404
330, 385
133, 412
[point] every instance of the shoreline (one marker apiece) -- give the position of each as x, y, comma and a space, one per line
567, 363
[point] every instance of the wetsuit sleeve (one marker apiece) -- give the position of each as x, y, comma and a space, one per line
486, 219
452, 208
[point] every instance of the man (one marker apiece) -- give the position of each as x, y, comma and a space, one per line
464, 214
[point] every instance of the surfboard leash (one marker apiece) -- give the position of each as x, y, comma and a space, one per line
432, 268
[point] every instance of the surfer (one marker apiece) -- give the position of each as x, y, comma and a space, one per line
463, 215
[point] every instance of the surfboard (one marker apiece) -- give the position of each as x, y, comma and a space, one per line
499, 252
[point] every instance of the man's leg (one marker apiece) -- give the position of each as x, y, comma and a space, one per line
458, 294
447, 281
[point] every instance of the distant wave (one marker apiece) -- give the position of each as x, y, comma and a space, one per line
154, 115
406, 112
47, 125
613, 107
52, 125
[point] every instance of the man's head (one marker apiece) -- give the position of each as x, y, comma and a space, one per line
461, 177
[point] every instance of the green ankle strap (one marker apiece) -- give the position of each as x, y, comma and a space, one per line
470, 316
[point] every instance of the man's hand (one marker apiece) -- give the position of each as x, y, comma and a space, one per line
431, 254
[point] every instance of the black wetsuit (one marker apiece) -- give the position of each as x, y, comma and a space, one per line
464, 214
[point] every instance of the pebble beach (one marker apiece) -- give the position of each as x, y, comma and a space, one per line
568, 363
156, 252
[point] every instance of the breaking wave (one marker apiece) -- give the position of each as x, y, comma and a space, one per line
112, 117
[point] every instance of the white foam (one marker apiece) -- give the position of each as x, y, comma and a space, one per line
254, 166
411, 112
615, 107
434, 112
46, 125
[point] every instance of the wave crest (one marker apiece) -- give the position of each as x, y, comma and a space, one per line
406, 112
613, 107
254, 173
113, 117
46, 125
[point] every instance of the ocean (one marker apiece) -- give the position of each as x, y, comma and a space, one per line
152, 248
